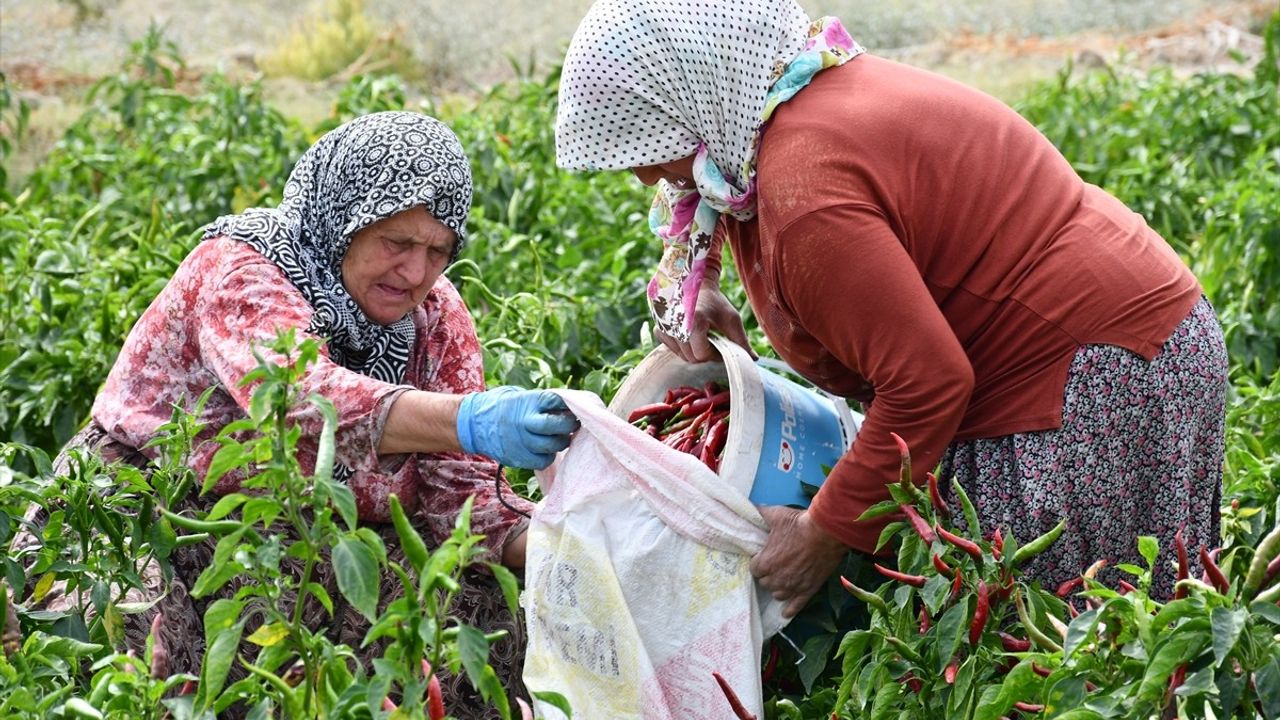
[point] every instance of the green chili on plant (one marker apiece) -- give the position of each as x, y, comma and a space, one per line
1039, 545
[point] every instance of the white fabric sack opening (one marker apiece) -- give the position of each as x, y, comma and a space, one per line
638, 584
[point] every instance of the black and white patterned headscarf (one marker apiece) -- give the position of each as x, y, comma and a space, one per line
366, 170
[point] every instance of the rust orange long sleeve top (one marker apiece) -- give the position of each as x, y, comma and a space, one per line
921, 246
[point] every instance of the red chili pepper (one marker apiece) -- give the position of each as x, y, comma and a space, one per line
771, 664
949, 674
980, 614
905, 454
997, 544
655, 411
1072, 611
1178, 677
1069, 587
738, 708
1273, 569
435, 700
925, 620
942, 567
1183, 567
1006, 587
916, 580
1041, 671
918, 523
967, 546
955, 586
1126, 587
1214, 572
939, 505
717, 435
1013, 644
1028, 707
159, 650
912, 682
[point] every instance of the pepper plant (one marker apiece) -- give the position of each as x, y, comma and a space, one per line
959, 633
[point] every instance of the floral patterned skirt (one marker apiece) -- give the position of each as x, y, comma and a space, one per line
479, 603
1139, 452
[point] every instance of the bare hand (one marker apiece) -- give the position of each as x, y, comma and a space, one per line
713, 311
797, 558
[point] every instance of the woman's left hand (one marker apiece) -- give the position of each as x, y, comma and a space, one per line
797, 558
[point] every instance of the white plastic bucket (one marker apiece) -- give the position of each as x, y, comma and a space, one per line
783, 437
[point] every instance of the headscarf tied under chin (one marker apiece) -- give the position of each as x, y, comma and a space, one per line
646, 82
366, 170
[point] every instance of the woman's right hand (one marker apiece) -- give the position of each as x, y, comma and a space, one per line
518, 428
713, 311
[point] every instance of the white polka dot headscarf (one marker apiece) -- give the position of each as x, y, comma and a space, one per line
647, 82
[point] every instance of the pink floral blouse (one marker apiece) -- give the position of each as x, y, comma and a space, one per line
198, 333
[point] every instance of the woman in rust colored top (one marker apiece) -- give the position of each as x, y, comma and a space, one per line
916, 245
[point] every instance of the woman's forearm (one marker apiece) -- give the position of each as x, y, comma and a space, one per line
421, 421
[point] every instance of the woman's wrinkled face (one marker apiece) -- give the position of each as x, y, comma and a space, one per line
677, 172
393, 263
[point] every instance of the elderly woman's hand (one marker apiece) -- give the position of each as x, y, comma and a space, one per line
518, 428
797, 558
713, 311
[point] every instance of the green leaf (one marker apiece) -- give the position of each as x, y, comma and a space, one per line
228, 457
816, 652
357, 574
270, 634
473, 648
1065, 694
221, 615
1079, 714
76, 707
1267, 680
492, 690
67, 647
1227, 625
1230, 689
1020, 684
415, 550
888, 532
1082, 630
509, 584
882, 508
1182, 645
555, 700
325, 449
1268, 611
935, 592
217, 663
991, 704
1148, 548
950, 630
319, 593
225, 505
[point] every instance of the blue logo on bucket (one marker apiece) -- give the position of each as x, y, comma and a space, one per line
802, 440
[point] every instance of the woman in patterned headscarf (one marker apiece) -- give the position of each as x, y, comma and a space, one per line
916, 245
353, 255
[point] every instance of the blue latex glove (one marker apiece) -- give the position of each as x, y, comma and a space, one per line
518, 428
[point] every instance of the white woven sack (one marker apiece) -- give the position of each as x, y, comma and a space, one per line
637, 580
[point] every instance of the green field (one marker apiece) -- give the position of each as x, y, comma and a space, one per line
554, 277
